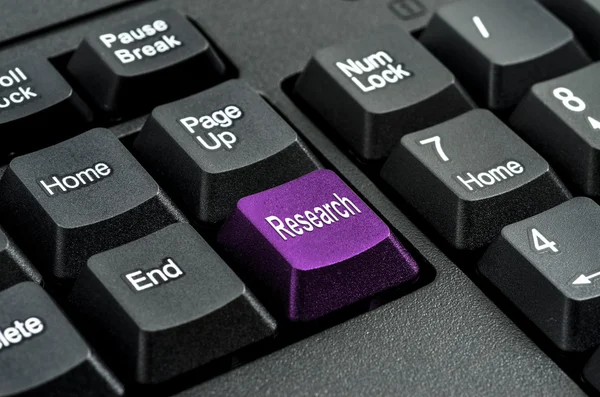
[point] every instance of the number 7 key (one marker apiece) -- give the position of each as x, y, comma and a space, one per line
471, 176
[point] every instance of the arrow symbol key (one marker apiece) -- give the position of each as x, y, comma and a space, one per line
557, 289
583, 279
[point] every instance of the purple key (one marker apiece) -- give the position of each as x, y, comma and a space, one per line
314, 246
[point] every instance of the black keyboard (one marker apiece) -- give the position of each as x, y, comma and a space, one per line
299, 198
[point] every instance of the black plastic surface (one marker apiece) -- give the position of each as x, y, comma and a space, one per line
35, 203
547, 266
445, 339
521, 44
558, 121
470, 213
405, 89
68, 364
20, 18
251, 152
161, 327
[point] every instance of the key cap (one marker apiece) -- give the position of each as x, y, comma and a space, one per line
470, 176
228, 142
500, 48
560, 118
41, 354
82, 196
166, 304
314, 246
583, 16
376, 88
14, 266
548, 266
33, 96
144, 62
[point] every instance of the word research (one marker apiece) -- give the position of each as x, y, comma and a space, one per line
311, 220
378, 68
127, 55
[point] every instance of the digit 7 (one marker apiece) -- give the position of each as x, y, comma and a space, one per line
436, 140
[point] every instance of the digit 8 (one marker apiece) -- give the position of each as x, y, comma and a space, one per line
569, 100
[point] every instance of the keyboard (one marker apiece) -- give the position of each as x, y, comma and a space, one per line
299, 198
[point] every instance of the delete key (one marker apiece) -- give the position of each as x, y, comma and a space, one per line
314, 246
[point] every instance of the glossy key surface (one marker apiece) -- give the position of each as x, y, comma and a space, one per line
315, 246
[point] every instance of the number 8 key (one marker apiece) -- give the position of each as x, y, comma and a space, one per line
560, 118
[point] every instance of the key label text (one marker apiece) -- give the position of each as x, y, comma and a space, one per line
128, 55
76, 180
20, 331
490, 177
481, 27
139, 280
370, 66
222, 118
13, 78
327, 214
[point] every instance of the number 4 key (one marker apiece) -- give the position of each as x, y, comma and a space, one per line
560, 118
548, 267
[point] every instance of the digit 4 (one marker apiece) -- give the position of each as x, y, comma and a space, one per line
541, 244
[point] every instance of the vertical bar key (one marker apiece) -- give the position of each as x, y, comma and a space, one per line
500, 48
